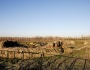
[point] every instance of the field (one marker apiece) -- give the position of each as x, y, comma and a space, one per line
46, 63
43, 54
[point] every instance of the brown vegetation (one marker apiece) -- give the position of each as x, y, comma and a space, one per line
73, 53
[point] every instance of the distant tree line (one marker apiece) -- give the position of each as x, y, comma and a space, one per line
42, 39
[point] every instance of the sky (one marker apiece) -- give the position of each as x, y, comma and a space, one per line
29, 18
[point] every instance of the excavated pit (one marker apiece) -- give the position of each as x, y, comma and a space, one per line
8, 44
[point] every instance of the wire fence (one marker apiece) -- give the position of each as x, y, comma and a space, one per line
28, 55
20, 55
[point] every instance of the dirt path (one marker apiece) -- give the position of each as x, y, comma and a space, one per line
82, 48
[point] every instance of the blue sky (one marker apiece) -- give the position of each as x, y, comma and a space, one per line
28, 18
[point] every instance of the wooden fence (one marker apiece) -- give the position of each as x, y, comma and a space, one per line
20, 55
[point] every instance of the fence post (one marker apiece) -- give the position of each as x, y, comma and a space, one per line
42, 54
14, 54
84, 65
22, 55
7, 54
2, 53
29, 55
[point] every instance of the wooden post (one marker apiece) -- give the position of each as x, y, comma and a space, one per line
29, 55
22, 55
2, 53
7, 54
84, 65
14, 54
42, 54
